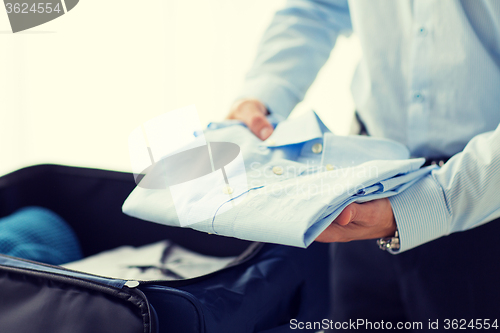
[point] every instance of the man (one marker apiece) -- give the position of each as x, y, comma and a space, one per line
429, 78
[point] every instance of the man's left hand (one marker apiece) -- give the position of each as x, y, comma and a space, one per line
369, 220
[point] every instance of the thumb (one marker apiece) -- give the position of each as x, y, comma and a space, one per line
258, 124
253, 114
347, 215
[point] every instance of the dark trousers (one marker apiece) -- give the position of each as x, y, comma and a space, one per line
456, 277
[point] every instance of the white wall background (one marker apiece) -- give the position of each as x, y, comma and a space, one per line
73, 89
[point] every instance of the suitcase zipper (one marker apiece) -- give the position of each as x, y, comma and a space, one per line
151, 285
132, 284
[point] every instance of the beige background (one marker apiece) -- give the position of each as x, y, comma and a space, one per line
73, 89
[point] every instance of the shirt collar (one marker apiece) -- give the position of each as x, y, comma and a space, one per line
306, 127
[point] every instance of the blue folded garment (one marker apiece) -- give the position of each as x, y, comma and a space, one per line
38, 234
285, 190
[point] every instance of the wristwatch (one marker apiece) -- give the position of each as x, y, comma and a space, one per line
389, 243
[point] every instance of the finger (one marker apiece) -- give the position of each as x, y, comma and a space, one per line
346, 233
259, 125
371, 211
347, 215
367, 220
253, 114
349, 225
337, 233
364, 212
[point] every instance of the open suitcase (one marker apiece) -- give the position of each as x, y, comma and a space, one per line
266, 287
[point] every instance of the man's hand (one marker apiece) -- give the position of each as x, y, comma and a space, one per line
369, 220
253, 113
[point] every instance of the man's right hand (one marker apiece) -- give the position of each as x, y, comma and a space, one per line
253, 113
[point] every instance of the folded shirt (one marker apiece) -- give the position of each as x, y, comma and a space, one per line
284, 190
158, 261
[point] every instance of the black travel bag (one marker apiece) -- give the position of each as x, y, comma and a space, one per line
266, 287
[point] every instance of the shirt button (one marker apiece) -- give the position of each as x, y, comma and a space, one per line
330, 167
418, 97
227, 189
278, 170
317, 148
422, 31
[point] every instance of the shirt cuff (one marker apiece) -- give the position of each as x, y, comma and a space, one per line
277, 94
421, 213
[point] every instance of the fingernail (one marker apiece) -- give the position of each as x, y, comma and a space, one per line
265, 133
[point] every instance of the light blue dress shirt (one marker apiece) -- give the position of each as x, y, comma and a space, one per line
429, 78
291, 187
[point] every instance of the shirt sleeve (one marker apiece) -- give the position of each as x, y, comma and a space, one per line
293, 49
461, 195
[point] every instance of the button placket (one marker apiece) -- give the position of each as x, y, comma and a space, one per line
419, 94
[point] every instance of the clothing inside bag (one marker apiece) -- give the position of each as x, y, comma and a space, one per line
163, 260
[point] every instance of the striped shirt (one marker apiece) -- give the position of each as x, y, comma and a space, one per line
429, 78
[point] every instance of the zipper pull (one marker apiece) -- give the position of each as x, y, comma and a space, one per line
132, 284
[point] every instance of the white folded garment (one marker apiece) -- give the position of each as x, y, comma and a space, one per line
158, 261
292, 186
